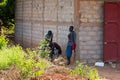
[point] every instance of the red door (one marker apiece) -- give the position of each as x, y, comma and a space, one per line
112, 31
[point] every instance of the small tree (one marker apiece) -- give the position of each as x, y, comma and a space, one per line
3, 2
7, 15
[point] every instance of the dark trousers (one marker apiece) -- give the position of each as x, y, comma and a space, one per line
68, 60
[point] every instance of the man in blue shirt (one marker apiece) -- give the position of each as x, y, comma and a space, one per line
71, 45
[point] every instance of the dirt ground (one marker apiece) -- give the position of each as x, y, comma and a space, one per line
110, 72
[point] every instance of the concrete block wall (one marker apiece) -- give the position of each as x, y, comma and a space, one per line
37, 22
37, 10
91, 42
91, 31
18, 23
91, 11
65, 10
50, 13
35, 17
19, 9
37, 33
27, 34
18, 32
27, 9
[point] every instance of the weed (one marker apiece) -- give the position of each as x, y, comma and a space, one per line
88, 72
3, 41
26, 62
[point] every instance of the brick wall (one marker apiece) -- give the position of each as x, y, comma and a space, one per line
91, 31
35, 17
19, 22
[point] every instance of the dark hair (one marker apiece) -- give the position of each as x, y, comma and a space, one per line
49, 32
71, 28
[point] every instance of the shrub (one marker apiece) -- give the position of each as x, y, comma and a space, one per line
8, 30
44, 49
33, 64
10, 56
88, 72
3, 41
29, 63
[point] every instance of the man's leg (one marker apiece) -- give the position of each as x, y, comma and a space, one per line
74, 53
51, 55
68, 60
74, 56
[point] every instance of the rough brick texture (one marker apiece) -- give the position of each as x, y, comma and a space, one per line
91, 31
91, 41
35, 17
91, 11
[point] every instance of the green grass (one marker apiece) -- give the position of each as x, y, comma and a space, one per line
29, 63
11, 55
3, 41
85, 71
9, 30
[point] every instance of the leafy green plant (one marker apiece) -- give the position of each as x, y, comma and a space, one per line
3, 2
37, 73
28, 62
11, 55
44, 50
3, 41
78, 69
7, 12
43, 43
5, 30
88, 72
32, 63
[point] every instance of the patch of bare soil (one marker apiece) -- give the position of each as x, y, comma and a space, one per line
12, 73
60, 61
110, 72
57, 76
57, 73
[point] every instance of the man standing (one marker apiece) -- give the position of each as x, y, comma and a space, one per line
71, 45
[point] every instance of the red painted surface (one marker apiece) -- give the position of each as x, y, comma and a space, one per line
112, 31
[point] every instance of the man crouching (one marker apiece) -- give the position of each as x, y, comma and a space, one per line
55, 50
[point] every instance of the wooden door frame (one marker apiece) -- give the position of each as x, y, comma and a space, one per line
77, 25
